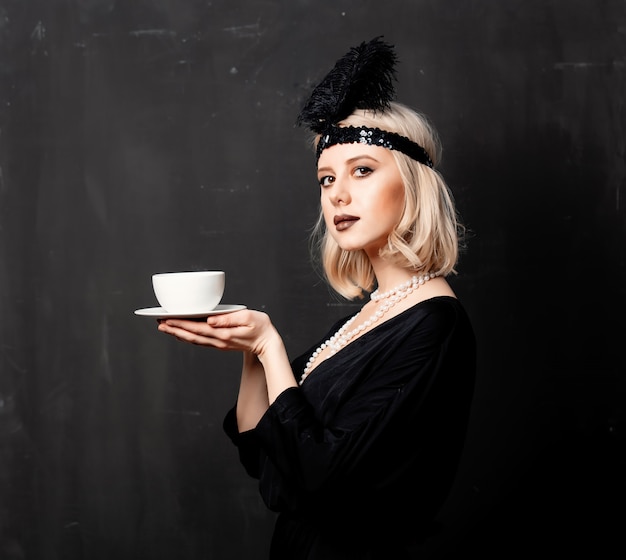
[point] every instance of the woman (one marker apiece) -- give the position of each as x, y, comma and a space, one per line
357, 441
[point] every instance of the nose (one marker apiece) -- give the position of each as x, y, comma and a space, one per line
340, 193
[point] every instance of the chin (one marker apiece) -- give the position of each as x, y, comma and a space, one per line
352, 248
346, 245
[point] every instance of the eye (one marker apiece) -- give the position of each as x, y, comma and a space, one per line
326, 180
363, 171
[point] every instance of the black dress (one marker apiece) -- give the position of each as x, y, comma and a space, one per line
359, 459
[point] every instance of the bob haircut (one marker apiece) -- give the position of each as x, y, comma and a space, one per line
427, 236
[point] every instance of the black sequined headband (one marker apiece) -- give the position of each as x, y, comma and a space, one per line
361, 79
372, 137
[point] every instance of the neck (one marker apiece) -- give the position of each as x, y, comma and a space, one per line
389, 275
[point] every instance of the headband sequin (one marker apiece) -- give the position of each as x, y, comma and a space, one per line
372, 137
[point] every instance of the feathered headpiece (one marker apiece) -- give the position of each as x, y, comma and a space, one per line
361, 79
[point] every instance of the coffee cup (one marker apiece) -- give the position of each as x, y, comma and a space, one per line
189, 292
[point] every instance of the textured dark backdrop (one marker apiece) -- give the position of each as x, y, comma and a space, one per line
142, 136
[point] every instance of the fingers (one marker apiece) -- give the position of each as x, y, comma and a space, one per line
221, 333
180, 326
193, 334
230, 320
240, 330
225, 320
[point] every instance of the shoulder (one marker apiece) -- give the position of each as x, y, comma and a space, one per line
438, 320
443, 310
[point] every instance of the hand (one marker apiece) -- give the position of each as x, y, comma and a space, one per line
246, 330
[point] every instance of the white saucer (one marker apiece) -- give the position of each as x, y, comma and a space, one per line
159, 312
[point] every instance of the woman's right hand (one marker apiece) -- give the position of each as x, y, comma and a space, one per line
246, 330
249, 331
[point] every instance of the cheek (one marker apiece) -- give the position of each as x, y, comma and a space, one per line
399, 203
327, 209
396, 197
392, 206
325, 203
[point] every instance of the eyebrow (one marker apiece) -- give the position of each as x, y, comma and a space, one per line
350, 161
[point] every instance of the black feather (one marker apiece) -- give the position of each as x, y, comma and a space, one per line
361, 79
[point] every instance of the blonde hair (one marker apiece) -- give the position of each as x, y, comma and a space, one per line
426, 239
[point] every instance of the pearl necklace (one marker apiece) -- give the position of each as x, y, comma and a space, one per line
407, 286
337, 341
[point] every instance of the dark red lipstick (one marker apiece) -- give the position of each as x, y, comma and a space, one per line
344, 221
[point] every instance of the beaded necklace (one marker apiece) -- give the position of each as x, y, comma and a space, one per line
341, 338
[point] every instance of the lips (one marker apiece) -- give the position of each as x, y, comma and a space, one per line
344, 221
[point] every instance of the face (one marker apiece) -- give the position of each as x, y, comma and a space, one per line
362, 195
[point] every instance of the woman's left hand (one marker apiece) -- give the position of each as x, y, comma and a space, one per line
245, 330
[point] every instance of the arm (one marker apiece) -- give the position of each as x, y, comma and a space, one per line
252, 400
266, 371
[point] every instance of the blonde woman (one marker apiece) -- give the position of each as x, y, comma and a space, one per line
356, 442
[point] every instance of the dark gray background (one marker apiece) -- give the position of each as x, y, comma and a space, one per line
144, 136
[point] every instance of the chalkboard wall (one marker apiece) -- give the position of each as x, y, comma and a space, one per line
140, 136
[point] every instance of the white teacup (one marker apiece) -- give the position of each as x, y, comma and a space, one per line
189, 292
